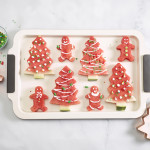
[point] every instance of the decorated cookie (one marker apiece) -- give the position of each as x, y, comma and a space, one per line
93, 63
39, 61
66, 50
94, 99
120, 88
145, 126
38, 100
125, 49
65, 92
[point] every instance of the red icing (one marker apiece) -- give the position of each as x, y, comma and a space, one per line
65, 91
125, 49
38, 99
66, 50
92, 62
94, 99
120, 89
39, 60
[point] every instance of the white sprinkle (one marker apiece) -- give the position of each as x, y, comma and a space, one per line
120, 78
29, 69
40, 65
28, 61
120, 97
35, 51
113, 78
115, 98
40, 50
38, 55
32, 56
33, 61
42, 54
36, 70
116, 68
40, 39
125, 95
45, 64
118, 85
34, 46
38, 60
118, 91
34, 67
43, 70
113, 85
121, 71
124, 88
116, 73
45, 49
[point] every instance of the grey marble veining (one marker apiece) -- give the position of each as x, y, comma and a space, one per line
16, 134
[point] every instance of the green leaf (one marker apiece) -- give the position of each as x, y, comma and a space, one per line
101, 96
55, 94
69, 71
71, 84
69, 101
63, 88
86, 86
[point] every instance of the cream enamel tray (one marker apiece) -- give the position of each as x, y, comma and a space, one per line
20, 85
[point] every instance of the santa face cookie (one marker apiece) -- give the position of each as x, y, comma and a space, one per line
38, 100
125, 49
66, 50
94, 99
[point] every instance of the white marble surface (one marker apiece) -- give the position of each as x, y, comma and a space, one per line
16, 134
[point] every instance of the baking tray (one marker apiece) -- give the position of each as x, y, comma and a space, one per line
20, 86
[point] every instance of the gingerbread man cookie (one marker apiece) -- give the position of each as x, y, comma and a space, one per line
94, 99
66, 50
38, 100
125, 49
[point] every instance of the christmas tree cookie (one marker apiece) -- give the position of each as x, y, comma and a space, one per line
39, 61
64, 94
66, 50
125, 49
145, 126
120, 89
93, 63
94, 99
38, 100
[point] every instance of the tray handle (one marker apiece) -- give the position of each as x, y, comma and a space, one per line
10, 73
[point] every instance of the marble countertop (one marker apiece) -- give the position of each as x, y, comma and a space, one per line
70, 134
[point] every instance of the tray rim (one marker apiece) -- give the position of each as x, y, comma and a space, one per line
76, 115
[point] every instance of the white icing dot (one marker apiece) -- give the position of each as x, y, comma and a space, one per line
32, 56
115, 98
121, 71
38, 55
129, 85
34, 46
45, 49
40, 39
121, 67
37, 71
124, 88
42, 54
113, 78
49, 61
120, 78
28, 61
123, 83
47, 57
129, 91
43, 69
118, 91
45, 64
113, 85
35, 41
125, 95
40, 50
116, 73
33, 61
29, 69
118, 85
34, 67
35, 51
40, 65
38, 60
116, 68
120, 97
